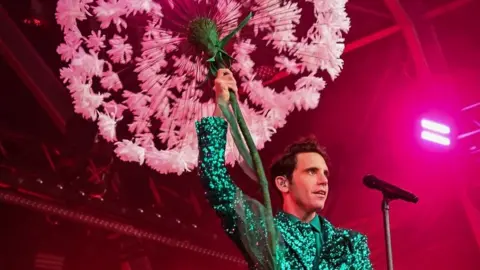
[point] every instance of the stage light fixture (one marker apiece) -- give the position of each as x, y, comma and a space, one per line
435, 132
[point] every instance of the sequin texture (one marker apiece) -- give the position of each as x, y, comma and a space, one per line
243, 218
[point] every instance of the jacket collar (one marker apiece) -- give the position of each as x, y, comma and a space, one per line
334, 239
315, 222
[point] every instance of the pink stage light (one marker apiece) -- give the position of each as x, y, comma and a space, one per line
436, 138
435, 132
435, 126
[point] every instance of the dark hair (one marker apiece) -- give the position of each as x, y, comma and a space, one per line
285, 164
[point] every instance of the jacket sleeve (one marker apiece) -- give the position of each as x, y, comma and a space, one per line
220, 190
361, 252
243, 218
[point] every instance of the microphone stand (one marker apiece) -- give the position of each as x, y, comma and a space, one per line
386, 224
390, 193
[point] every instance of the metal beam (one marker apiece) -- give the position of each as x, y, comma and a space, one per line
405, 20
384, 33
82, 217
34, 72
473, 134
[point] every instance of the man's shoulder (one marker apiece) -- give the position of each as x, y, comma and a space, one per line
344, 245
352, 234
343, 232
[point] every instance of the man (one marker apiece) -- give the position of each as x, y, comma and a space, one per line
306, 240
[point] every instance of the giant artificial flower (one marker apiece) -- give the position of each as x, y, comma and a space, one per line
172, 46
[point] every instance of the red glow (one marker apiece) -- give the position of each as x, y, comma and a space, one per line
33, 21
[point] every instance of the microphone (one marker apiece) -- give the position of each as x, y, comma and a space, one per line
390, 191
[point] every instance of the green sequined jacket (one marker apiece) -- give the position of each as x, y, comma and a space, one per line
243, 218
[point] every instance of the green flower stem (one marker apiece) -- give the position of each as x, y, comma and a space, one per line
260, 173
237, 138
203, 33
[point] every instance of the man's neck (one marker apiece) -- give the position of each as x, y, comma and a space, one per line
294, 210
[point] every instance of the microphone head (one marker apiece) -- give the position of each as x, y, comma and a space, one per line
370, 180
388, 189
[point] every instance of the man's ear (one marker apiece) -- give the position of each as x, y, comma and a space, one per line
282, 183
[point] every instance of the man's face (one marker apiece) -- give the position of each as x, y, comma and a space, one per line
309, 185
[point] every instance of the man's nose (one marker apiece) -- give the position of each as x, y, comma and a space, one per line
322, 179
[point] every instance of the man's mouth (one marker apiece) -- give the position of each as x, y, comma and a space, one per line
320, 192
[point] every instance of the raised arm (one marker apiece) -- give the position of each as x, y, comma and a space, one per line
243, 218
220, 190
212, 138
